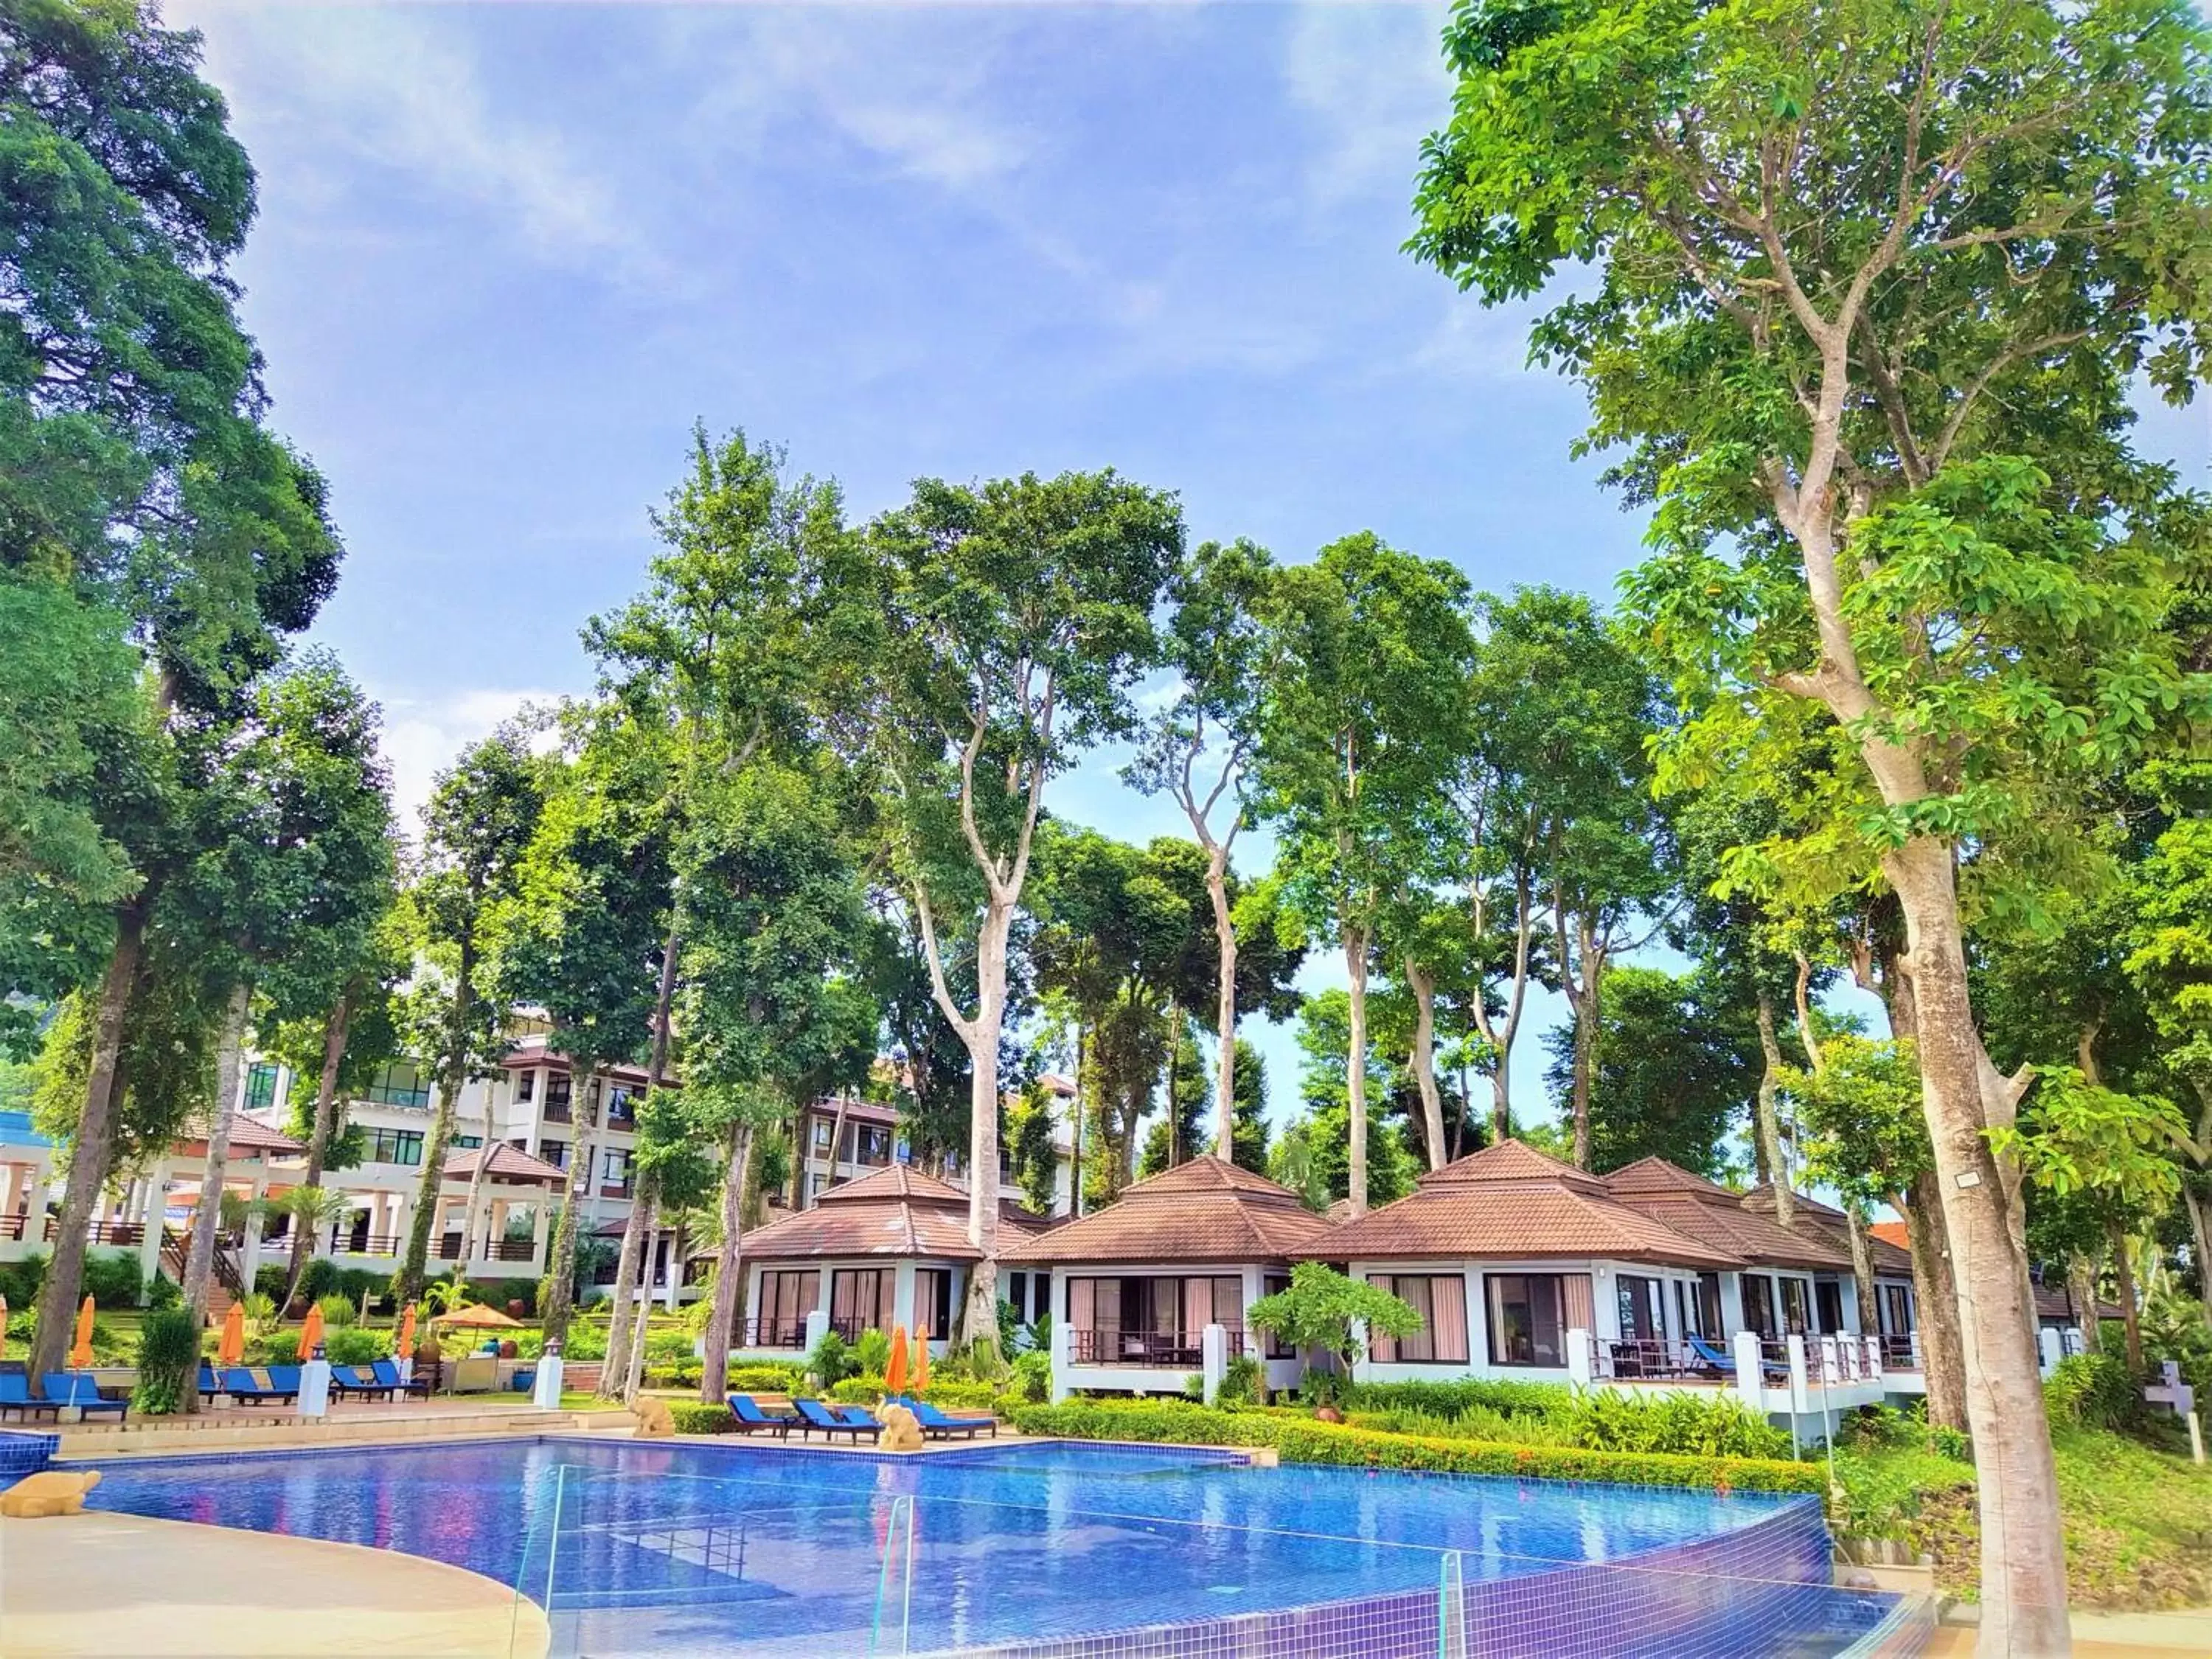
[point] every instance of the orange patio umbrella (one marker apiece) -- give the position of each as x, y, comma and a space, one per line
404, 1344
3, 1327
230, 1348
311, 1333
895, 1372
80, 1353
921, 1357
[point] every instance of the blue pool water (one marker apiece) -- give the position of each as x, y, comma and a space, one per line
640, 1548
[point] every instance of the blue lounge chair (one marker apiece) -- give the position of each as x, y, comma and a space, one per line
1712, 1357
751, 1420
347, 1380
240, 1384
77, 1390
209, 1384
386, 1372
284, 1379
15, 1396
859, 1416
936, 1425
814, 1415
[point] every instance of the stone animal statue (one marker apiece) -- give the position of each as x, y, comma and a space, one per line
900, 1432
654, 1421
52, 1491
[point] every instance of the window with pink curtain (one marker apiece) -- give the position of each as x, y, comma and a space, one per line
1197, 1308
1441, 1301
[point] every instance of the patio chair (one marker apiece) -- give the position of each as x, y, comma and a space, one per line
814, 1415
1711, 1358
15, 1396
241, 1385
349, 1380
76, 1389
386, 1372
936, 1425
751, 1420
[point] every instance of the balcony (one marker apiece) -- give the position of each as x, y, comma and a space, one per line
1170, 1349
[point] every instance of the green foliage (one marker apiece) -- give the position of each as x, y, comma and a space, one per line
1545, 1413
322, 1277
586, 1339
163, 1292
338, 1309
1507, 1398
1698, 1425
356, 1345
1301, 1441
692, 1417
2094, 1391
168, 1361
872, 1352
763, 1379
1318, 1309
831, 1361
1474, 1422
864, 1389
1243, 1381
20, 1281
112, 1279
1032, 1377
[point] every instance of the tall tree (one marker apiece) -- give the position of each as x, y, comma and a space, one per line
991, 634
1200, 749
139, 491
2170, 963
1872, 288
476, 826
1357, 737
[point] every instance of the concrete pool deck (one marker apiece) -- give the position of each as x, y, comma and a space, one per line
106, 1586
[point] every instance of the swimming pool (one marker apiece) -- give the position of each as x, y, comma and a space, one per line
1066, 1550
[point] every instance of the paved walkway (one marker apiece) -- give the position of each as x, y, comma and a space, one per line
2186, 1635
105, 1586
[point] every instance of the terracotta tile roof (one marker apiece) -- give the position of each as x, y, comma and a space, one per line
509, 1163
1511, 1201
1893, 1233
249, 1136
1893, 1261
895, 1211
2056, 1301
1711, 1213
1206, 1210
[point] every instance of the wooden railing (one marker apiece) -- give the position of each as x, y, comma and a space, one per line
1174, 1349
772, 1334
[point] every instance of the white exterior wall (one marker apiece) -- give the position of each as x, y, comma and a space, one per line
1155, 1379
903, 1293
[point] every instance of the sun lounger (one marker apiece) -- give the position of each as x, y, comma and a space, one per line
241, 1384
347, 1380
859, 1416
936, 1425
284, 1379
76, 1389
751, 1420
1771, 1370
210, 1382
386, 1372
817, 1416
15, 1396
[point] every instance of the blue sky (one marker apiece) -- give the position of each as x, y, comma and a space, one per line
508, 254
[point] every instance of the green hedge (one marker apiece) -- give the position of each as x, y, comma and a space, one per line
1309, 1442
692, 1418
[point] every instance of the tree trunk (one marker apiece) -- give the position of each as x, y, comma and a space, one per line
1423, 985
1861, 1243
91, 1148
452, 1071
978, 1327
1772, 1168
1174, 1120
1942, 1358
634, 1230
2200, 1232
318, 1140
2081, 1291
472, 1210
2124, 1284
1225, 1019
2023, 1551
561, 1261
729, 1287
633, 1371
1355, 1067
207, 1215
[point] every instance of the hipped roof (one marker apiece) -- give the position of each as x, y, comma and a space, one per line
896, 1211
1716, 1217
1510, 1201
1207, 1210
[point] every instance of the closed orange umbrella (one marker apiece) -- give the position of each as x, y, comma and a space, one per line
311, 1333
3, 1327
230, 1348
895, 1373
921, 1357
404, 1345
80, 1354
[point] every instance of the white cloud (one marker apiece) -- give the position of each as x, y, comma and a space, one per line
1372, 79
422, 737
401, 89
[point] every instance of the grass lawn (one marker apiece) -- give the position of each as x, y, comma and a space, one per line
2138, 1522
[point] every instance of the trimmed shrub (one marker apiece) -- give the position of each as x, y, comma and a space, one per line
168, 1355
112, 1279
1300, 1441
1505, 1399
858, 1391
958, 1394
587, 1339
1678, 1424
1475, 1423
692, 1417
1033, 1378
20, 1281
356, 1345
270, 1279
686, 1376
668, 1345
768, 1379
163, 1292
321, 1277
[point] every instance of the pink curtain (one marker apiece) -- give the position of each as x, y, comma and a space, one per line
1197, 1307
1381, 1348
1580, 1311
1081, 1308
1448, 1317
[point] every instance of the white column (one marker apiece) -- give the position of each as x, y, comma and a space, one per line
1749, 1382
1213, 1360
1798, 1381
902, 1294
817, 1325
540, 1226
150, 1242
2051, 1346
1061, 1351
249, 1253
1578, 1358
